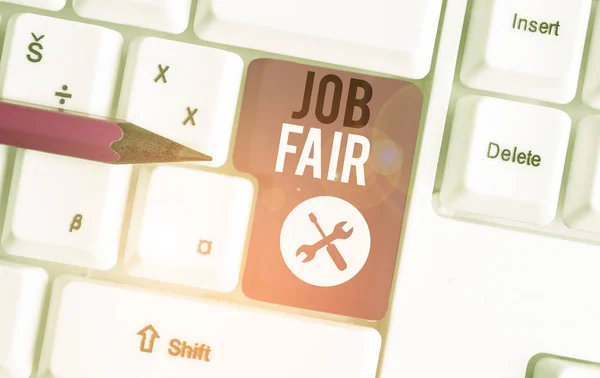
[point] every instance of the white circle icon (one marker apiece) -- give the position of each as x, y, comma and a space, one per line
325, 241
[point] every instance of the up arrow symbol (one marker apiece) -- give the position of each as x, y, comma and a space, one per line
148, 334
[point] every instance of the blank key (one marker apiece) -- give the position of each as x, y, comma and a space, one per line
528, 48
582, 199
591, 82
395, 37
165, 15
53, 5
553, 367
22, 292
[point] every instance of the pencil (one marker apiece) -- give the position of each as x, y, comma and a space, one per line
83, 136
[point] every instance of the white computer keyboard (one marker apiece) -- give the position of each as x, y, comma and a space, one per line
398, 189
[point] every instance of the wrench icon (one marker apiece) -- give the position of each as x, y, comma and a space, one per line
338, 233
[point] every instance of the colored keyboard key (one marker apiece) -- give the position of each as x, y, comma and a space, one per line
333, 159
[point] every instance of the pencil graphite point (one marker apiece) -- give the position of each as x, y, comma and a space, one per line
139, 146
187, 154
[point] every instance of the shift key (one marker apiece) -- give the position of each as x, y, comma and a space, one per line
99, 330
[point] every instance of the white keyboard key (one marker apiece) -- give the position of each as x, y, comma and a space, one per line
22, 292
144, 334
400, 34
591, 82
526, 48
65, 210
552, 367
189, 227
185, 92
60, 63
505, 159
53, 5
582, 199
7, 160
171, 16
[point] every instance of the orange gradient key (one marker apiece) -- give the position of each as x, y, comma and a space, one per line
332, 152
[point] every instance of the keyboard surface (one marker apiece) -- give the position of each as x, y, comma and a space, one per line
397, 189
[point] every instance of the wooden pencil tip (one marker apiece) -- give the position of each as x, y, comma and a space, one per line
139, 146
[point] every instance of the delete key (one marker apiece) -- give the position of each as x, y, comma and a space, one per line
332, 153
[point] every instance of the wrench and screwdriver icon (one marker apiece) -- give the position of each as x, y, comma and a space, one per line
327, 240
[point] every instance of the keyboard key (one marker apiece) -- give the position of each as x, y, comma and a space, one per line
145, 334
53, 5
7, 160
401, 33
189, 227
552, 367
65, 210
529, 48
185, 92
582, 199
60, 63
332, 152
22, 292
591, 82
505, 159
171, 16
